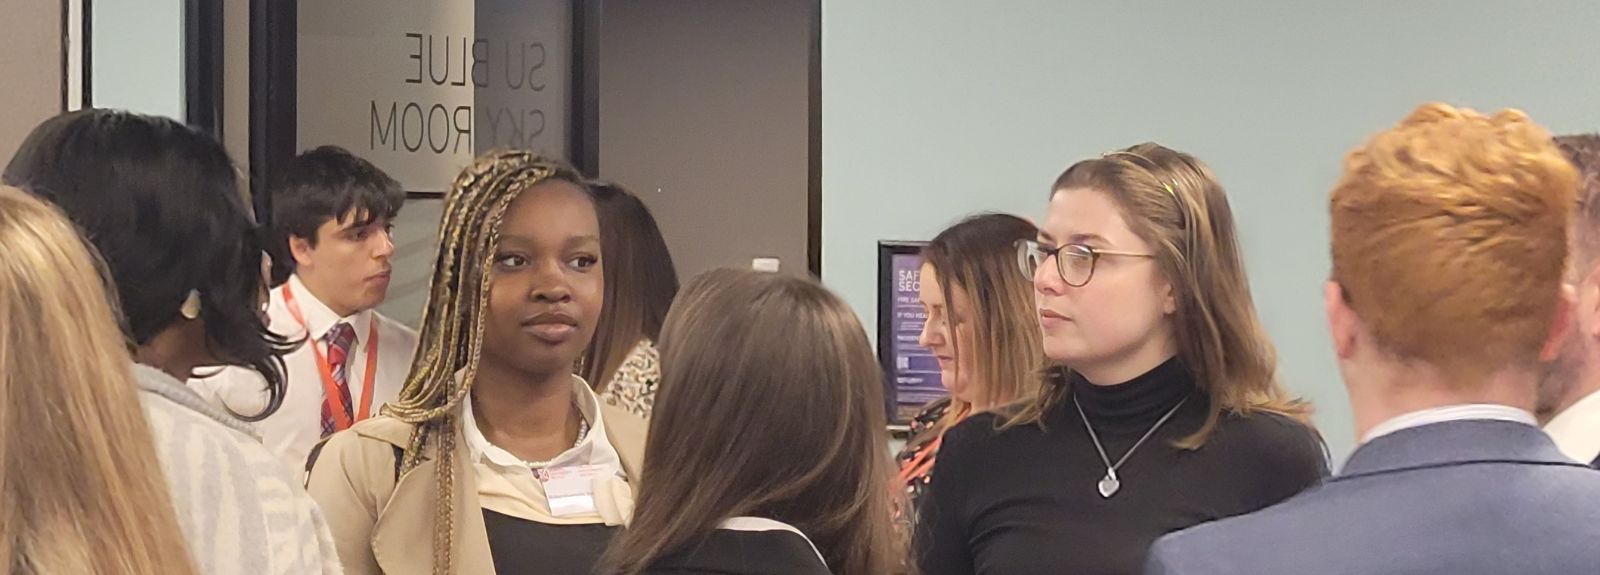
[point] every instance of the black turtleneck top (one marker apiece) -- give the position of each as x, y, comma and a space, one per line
1025, 500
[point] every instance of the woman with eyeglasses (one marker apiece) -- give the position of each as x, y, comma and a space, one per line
1160, 409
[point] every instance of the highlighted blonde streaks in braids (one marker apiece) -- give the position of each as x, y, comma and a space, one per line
451, 341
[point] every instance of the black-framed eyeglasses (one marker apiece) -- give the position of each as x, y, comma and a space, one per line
1075, 262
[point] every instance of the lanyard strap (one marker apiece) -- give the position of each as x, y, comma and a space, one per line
330, 388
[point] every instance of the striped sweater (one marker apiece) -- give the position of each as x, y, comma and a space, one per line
241, 511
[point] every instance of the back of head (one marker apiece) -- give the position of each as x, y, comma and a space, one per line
161, 203
1583, 150
641, 281
328, 183
80, 487
770, 406
1449, 238
979, 256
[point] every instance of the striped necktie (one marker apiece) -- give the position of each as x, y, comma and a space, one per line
339, 339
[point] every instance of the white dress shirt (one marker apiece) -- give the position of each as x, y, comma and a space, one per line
296, 428
1577, 430
509, 486
1462, 412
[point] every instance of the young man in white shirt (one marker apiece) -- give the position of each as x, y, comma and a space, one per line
331, 219
1569, 395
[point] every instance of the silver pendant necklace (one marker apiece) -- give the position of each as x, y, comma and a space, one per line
1110, 483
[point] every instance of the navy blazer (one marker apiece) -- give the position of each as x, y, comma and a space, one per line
1455, 498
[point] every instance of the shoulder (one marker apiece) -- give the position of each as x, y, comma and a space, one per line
627, 432
642, 366
983, 441
733, 552
367, 448
390, 329
267, 504
1270, 439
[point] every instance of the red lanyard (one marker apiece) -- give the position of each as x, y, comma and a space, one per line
330, 388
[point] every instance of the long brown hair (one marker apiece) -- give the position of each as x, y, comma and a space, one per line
979, 256
451, 339
1174, 202
640, 283
782, 365
80, 488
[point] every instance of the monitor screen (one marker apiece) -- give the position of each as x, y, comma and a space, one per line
911, 373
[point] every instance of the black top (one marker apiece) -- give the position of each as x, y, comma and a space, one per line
519, 546
728, 552
1025, 500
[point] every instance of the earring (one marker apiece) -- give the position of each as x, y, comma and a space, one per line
191, 306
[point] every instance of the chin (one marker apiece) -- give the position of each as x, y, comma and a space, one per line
1059, 351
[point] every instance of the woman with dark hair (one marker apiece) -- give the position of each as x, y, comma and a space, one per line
161, 203
496, 458
980, 327
622, 364
766, 453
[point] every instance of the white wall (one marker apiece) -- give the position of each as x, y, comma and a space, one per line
137, 56
935, 109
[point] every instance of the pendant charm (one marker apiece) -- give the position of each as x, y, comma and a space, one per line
1109, 485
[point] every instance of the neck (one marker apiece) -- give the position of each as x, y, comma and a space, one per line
1587, 383
530, 415
1395, 390
168, 352
1128, 367
317, 289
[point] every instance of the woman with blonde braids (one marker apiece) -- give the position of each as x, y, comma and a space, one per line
495, 458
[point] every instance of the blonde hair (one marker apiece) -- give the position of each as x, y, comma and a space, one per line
451, 339
1450, 237
781, 364
979, 256
1174, 203
80, 488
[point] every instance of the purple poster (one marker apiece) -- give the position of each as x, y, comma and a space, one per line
916, 370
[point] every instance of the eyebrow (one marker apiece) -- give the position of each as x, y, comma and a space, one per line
1086, 238
571, 242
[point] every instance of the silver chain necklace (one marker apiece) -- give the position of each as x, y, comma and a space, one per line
1110, 483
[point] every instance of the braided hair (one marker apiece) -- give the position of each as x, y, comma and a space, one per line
451, 340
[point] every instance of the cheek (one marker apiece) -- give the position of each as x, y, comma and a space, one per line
588, 291
966, 349
1106, 316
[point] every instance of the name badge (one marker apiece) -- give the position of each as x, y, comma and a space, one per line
570, 490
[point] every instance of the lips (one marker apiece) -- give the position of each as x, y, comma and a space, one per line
551, 327
382, 276
1050, 318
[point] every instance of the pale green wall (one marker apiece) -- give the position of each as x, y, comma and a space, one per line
937, 108
137, 56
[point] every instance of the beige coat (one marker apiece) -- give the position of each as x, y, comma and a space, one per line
381, 526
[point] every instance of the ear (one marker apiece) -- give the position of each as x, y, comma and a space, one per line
1562, 326
300, 249
1343, 324
1169, 301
